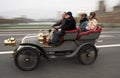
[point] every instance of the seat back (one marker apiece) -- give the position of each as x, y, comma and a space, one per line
92, 34
98, 29
71, 34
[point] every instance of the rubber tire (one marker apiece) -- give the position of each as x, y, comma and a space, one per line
81, 51
22, 50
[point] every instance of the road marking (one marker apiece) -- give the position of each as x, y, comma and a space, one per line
16, 34
100, 46
111, 32
99, 41
108, 46
102, 36
6, 52
11, 34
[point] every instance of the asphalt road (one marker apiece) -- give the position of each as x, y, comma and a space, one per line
107, 64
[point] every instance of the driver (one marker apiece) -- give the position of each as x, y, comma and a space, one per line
67, 23
61, 22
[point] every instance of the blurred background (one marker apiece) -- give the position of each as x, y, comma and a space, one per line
43, 13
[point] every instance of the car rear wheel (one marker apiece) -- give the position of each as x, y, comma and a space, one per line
27, 59
87, 54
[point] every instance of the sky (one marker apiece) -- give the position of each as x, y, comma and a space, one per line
38, 9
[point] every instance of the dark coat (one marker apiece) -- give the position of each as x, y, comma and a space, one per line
83, 20
67, 24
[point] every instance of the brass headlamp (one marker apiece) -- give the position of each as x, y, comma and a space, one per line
11, 41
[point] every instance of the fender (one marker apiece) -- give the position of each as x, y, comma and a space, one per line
77, 50
43, 52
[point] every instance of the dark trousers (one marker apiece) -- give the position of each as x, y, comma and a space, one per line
56, 36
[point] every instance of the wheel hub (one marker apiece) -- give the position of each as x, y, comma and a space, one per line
88, 55
27, 59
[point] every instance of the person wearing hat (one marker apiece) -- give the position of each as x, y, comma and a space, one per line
67, 23
70, 23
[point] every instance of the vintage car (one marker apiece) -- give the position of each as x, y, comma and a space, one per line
74, 43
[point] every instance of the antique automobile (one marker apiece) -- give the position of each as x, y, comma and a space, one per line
74, 43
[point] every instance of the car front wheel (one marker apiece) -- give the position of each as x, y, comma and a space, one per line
27, 59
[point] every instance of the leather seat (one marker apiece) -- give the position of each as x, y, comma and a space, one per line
98, 30
73, 31
69, 34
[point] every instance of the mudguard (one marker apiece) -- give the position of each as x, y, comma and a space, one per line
38, 48
80, 46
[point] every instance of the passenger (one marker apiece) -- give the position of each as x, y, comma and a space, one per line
67, 23
83, 21
92, 24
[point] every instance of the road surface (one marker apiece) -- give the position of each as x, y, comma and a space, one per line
107, 64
